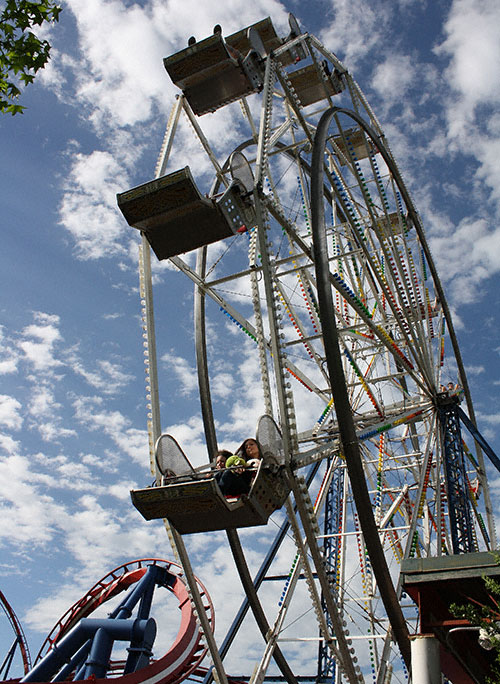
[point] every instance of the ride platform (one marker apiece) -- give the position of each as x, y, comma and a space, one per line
360, 146
216, 71
437, 583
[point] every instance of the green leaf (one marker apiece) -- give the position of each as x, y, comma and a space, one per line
27, 78
12, 109
22, 53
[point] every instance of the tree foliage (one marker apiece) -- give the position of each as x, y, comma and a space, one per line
22, 53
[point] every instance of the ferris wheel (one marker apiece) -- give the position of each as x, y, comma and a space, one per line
312, 263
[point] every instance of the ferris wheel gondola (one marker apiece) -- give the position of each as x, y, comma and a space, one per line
193, 501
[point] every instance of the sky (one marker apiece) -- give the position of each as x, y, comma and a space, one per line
73, 438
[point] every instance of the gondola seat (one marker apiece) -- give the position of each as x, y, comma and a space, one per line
211, 74
177, 218
312, 86
241, 40
192, 500
356, 143
198, 505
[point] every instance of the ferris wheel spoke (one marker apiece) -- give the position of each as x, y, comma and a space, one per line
364, 224
346, 293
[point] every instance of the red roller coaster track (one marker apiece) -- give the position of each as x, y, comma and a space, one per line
18, 631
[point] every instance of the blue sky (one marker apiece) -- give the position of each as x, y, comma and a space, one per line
72, 401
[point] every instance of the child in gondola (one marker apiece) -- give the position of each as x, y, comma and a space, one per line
240, 469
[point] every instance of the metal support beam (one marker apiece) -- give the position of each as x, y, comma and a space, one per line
459, 507
479, 438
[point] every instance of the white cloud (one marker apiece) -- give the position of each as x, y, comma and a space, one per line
394, 76
39, 342
9, 412
112, 316
53, 432
87, 410
120, 45
121, 490
474, 370
28, 515
8, 354
483, 257
245, 403
488, 173
473, 46
131, 441
109, 464
109, 377
185, 373
222, 384
88, 208
8, 365
355, 28
8, 444
42, 402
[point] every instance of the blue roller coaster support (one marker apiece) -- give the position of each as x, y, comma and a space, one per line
87, 647
459, 505
103, 633
5, 667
